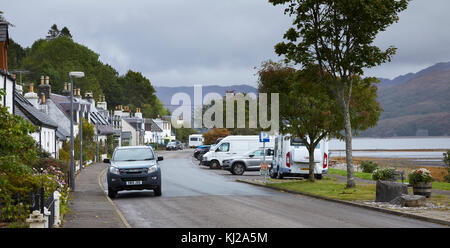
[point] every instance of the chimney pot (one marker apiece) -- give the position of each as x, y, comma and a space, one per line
42, 79
31, 87
47, 80
43, 98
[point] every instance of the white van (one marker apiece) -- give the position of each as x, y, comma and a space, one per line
195, 140
231, 147
291, 158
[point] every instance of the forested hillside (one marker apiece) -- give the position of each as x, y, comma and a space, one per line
419, 105
57, 55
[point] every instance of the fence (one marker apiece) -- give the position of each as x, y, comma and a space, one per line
47, 207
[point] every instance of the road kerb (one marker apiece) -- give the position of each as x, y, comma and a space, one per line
383, 210
122, 218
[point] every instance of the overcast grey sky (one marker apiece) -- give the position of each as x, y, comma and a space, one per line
182, 42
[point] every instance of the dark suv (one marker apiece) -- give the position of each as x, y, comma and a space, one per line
133, 168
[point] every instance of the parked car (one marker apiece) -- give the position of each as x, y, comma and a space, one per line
133, 168
175, 145
250, 161
291, 158
231, 147
199, 151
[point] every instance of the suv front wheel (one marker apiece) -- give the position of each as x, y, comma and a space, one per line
112, 193
157, 191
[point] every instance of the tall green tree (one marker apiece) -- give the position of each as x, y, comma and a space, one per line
338, 36
16, 53
53, 32
65, 32
308, 110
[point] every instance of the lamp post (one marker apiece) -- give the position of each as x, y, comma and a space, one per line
72, 152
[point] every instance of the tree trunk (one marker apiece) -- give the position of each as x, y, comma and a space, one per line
311, 165
348, 147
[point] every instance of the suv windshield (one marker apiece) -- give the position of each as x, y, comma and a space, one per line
171, 144
133, 154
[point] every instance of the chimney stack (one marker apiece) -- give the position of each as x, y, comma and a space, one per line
66, 90
76, 92
43, 106
138, 113
32, 97
118, 111
101, 104
44, 87
89, 97
4, 40
43, 99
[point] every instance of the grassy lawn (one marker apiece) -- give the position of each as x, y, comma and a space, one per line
339, 172
368, 176
441, 186
331, 189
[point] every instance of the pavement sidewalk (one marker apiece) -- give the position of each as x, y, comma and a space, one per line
89, 205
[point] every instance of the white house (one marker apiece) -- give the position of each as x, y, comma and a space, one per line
45, 136
166, 128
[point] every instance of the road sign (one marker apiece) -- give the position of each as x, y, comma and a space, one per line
264, 137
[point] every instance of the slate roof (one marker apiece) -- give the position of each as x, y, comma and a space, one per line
61, 134
25, 109
153, 126
105, 130
63, 103
134, 121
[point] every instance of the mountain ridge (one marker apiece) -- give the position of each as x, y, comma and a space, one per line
414, 103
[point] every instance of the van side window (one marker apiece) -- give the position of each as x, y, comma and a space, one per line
295, 141
225, 147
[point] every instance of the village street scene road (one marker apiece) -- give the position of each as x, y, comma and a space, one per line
195, 197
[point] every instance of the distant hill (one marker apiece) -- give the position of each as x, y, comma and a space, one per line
384, 82
415, 103
165, 93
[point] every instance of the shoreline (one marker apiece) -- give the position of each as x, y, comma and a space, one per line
394, 150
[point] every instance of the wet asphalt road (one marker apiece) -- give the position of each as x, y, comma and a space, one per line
193, 196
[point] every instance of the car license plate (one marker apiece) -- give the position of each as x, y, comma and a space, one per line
305, 169
134, 182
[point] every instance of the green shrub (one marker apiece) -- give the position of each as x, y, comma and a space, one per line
447, 165
368, 166
383, 174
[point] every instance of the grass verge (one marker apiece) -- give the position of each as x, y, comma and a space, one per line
368, 176
363, 175
331, 189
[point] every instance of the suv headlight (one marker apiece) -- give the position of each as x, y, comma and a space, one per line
114, 170
152, 169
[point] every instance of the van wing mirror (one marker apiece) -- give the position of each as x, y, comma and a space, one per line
106, 161
160, 158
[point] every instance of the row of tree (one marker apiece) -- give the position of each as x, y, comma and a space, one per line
58, 54
333, 41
